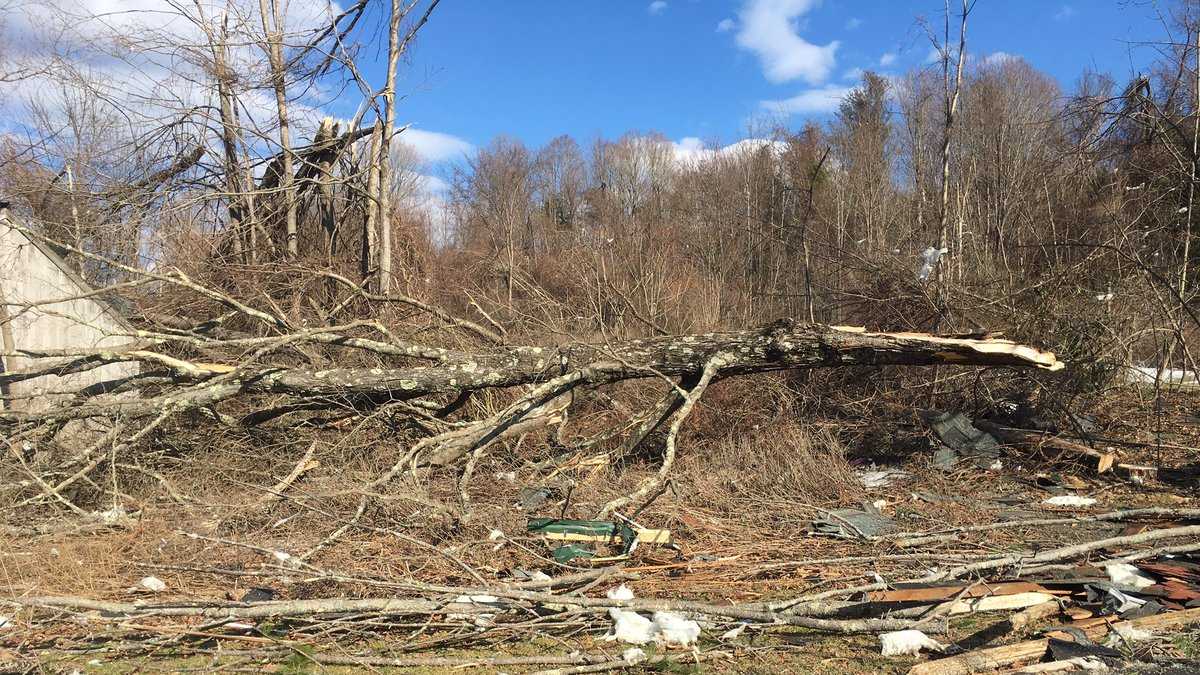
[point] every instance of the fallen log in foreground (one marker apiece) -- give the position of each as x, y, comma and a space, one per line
783, 345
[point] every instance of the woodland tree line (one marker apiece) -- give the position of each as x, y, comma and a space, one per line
222, 165
1064, 215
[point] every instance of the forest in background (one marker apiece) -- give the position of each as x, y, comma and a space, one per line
1065, 214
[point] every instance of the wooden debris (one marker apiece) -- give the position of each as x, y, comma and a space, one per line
1101, 461
1007, 655
995, 602
933, 593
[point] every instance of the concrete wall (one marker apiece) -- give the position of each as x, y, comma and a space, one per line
33, 273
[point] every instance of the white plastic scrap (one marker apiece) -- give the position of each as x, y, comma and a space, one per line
152, 584
1150, 375
1124, 603
674, 629
633, 655
1069, 500
929, 260
878, 479
5, 623
621, 592
908, 643
112, 516
666, 627
1125, 633
734, 633
631, 627
628, 626
481, 620
1125, 574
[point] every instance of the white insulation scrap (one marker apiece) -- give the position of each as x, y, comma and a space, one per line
1124, 574
908, 643
1069, 500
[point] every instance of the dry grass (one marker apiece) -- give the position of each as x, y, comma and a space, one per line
786, 462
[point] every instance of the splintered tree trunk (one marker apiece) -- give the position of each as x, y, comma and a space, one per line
781, 346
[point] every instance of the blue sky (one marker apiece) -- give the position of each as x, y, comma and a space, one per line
535, 69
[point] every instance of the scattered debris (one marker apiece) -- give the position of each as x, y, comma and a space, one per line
666, 627
851, 523
568, 552
114, 516
929, 259
734, 633
675, 629
878, 478
629, 626
997, 602
1124, 634
908, 643
1151, 375
634, 655
960, 439
1080, 647
532, 499
151, 584
1069, 500
1125, 574
258, 594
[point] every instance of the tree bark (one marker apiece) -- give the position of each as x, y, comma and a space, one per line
783, 345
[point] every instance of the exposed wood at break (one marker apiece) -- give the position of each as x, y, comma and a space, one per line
1007, 655
1100, 461
783, 345
948, 591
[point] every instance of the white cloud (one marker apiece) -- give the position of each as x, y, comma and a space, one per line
1065, 13
818, 100
657, 7
435, 146
769, 29
692, 151
853, 22
887, 59
996, 58
852, 74
726, 25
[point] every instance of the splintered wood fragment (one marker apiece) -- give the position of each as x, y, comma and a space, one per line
1029, 615
643, 536
1102, 461
1078, 663
306, 463
1007, 655
947, 591
994, 603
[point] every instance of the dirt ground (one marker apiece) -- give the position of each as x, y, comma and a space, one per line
739, 509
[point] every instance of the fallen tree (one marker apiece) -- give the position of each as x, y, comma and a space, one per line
242, 366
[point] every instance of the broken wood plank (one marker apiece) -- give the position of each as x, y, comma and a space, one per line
1007, 655
1020, 620
995, 602
947, 591
1102, 461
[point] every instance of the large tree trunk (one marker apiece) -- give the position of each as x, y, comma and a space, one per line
781, 346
